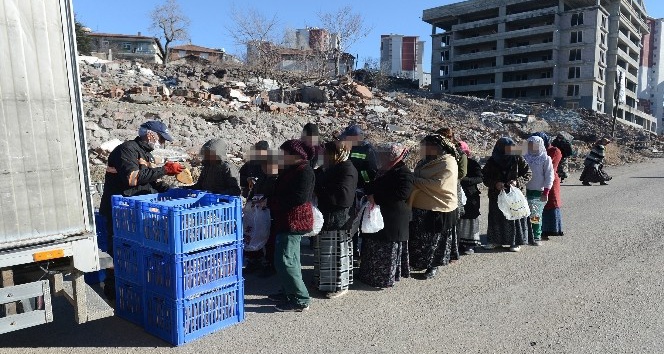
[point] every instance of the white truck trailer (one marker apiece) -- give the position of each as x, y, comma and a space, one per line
47, 235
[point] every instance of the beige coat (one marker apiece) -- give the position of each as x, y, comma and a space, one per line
436, 185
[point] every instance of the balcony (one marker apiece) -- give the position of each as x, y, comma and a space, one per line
504, 35
528, 83
629, 42
509, 18
477, 55
471, 88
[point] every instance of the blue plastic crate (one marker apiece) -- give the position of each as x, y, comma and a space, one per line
128, 260
192, 224
184, 275
129, 301
127, 216
182, 321
94, 278
102, 236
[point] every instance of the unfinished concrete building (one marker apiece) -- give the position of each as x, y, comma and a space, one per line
569, 53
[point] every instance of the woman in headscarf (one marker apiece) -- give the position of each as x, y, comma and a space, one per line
434, 202
335, 188
385, 253
505, 170
290, 208
537, 189
594, 165
552, 224
218, 175
468, 227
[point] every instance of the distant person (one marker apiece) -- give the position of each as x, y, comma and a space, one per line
254, 169
218, 176
502, 171
311, 136
132, 171
594, 165
539, 186
468, 227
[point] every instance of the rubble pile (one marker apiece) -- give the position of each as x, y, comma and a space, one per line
199, 101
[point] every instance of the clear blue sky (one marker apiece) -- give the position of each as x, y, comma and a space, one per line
208, 18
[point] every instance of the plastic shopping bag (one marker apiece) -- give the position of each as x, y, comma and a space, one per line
513, 204
536, 209
257, 221
462, 196
372, 219
318, 222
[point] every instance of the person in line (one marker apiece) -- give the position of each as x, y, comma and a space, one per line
552, 224
336, 184
462, 163
253, 170
506, 170
563, 142
218, 175
435, 204
132, 171
311, 136
363, 157
385, 253
290, 208
537, 189
468, 227
262, 192
593, 171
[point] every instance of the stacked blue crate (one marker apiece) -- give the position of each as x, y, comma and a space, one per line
189, 271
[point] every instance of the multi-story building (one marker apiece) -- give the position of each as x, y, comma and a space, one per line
651, 74
126, 46
570, 53
401, 56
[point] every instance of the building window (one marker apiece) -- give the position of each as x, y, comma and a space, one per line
547, 57
182, 53
546, 75
545, 92
105, 44
600, 93
574, 54
547, 40
601, 74
576, 37
574, 73
602, 57
472, 82
572, 105
126, 46
204, 56
573, 90
522, 93
600, 107
577, 19
604, 19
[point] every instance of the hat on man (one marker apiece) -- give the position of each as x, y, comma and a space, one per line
157, 127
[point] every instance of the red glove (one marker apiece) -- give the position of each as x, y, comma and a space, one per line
173, 168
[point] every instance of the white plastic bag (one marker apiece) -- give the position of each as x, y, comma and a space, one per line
318, 222
372, 219
513, 204
462, 196
257, 221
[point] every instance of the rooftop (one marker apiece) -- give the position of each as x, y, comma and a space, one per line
196, 48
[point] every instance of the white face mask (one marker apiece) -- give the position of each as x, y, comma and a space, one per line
154, 145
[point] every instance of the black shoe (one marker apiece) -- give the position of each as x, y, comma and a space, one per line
431, 273
290, 307
278, 298
603, 184
586, 184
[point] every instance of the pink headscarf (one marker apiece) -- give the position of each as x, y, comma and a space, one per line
465, 148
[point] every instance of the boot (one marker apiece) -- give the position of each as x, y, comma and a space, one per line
431, 273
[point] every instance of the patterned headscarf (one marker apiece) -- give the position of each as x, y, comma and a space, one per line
539, 157
389, 155
499, 154
340, 150
446, 145
297, 147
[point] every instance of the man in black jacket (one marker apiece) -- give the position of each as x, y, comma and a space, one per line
253, 170
132, 171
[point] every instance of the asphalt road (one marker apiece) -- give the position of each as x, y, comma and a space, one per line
599, 289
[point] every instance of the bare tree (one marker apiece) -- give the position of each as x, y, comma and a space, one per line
348, 27
170, 23
258, 34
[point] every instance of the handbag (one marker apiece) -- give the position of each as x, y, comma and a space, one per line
513, 204
301, 219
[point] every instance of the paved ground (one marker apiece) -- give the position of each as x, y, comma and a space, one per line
597, 290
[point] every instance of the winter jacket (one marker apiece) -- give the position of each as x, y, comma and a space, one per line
294, 187
554, 195
251, 169
436, 185
219, 177
131, 171
363, 158
264, 187
542, 176
595, 157
335, 189
391, 192
515, 170
469, 184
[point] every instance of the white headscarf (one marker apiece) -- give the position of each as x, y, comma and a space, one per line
539, 157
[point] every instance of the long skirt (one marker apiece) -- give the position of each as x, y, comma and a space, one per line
552, 222
469, 232
383, 263
333, 260
594, 174
431, 238
503, 232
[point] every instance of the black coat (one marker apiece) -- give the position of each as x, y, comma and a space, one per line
294, 187
251, 169
391, 192
363, 158
470, 185
335, 189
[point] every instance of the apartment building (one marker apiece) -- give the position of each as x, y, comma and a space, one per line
401, 56
651, 73
569, 53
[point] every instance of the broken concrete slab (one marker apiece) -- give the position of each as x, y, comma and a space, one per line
141, 98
